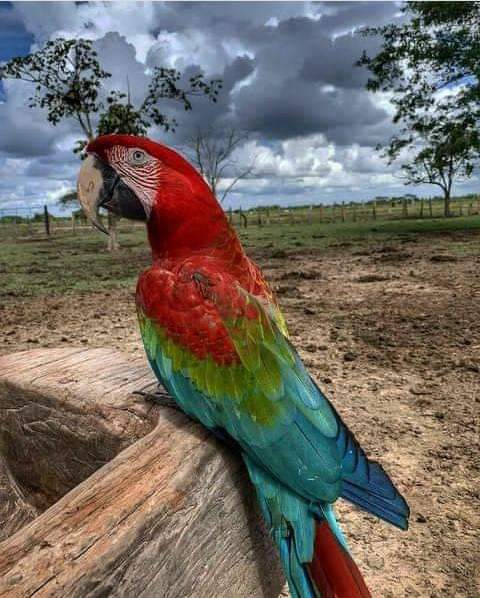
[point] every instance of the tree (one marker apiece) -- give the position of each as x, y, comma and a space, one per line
68, 78
212, 152
445, 152
430, 66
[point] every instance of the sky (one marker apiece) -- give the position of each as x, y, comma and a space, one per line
289, 81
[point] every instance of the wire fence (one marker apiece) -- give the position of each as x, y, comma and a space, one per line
38, 220
395, 209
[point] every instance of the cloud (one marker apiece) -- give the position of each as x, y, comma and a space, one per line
289, 79
24, 131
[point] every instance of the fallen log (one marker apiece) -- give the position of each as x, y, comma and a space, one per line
63, 414
171, 515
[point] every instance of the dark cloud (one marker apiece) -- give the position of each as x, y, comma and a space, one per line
300, 78
231, 17
340, 17
293, 107
333, 61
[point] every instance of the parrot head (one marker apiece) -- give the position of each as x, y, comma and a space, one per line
140, 179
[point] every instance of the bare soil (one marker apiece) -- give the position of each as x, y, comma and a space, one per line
392, 334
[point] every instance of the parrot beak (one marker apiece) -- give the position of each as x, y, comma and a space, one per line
99, 186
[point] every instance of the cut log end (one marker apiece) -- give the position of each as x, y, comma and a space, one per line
106, 494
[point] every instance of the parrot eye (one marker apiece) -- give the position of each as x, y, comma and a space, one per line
138, 157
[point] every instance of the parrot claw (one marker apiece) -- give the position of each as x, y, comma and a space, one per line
157, 395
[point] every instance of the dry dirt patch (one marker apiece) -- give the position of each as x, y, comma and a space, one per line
395, 342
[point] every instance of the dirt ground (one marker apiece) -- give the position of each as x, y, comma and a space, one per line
392, 334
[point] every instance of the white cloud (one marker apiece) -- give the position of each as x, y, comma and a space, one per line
184, 48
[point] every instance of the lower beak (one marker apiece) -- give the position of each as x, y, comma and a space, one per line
99, 186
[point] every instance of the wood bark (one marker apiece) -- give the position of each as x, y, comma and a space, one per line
172, 515
63, 414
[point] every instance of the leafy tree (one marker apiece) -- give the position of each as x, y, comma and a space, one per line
430, 66
68, 78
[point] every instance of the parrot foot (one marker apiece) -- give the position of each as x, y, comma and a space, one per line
157, 395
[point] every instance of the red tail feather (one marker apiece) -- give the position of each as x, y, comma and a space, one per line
333, 570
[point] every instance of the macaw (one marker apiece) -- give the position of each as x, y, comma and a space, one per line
217, 341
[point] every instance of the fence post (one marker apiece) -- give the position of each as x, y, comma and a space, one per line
460, 207
430, 207
354, 212
73, 223
259, 217
30, 229
321, 214
342, 211
47, 220
404, 208
421, 207
230, 216
374, 209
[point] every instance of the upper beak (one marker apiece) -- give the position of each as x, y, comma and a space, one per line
99, 186
90, 190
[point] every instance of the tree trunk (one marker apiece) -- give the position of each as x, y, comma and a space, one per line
446, 204
113, 244
172, 515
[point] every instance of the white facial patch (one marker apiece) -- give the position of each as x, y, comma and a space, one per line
141, 175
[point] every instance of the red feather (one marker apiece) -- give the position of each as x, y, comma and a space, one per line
333, 571
190, 298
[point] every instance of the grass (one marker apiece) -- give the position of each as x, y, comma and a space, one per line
285, 236
70, 264
79, 263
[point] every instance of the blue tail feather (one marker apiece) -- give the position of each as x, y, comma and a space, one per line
366, 484
376, 494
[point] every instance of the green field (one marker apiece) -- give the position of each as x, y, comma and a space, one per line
74, 263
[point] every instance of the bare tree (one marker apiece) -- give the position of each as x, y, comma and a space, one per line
212, 152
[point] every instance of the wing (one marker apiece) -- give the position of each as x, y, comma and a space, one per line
226, 359
224, 355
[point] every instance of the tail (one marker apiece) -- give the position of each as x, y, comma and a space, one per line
366, 484
333, 572
313, 551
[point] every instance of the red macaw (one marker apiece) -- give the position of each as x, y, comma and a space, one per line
216, 339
